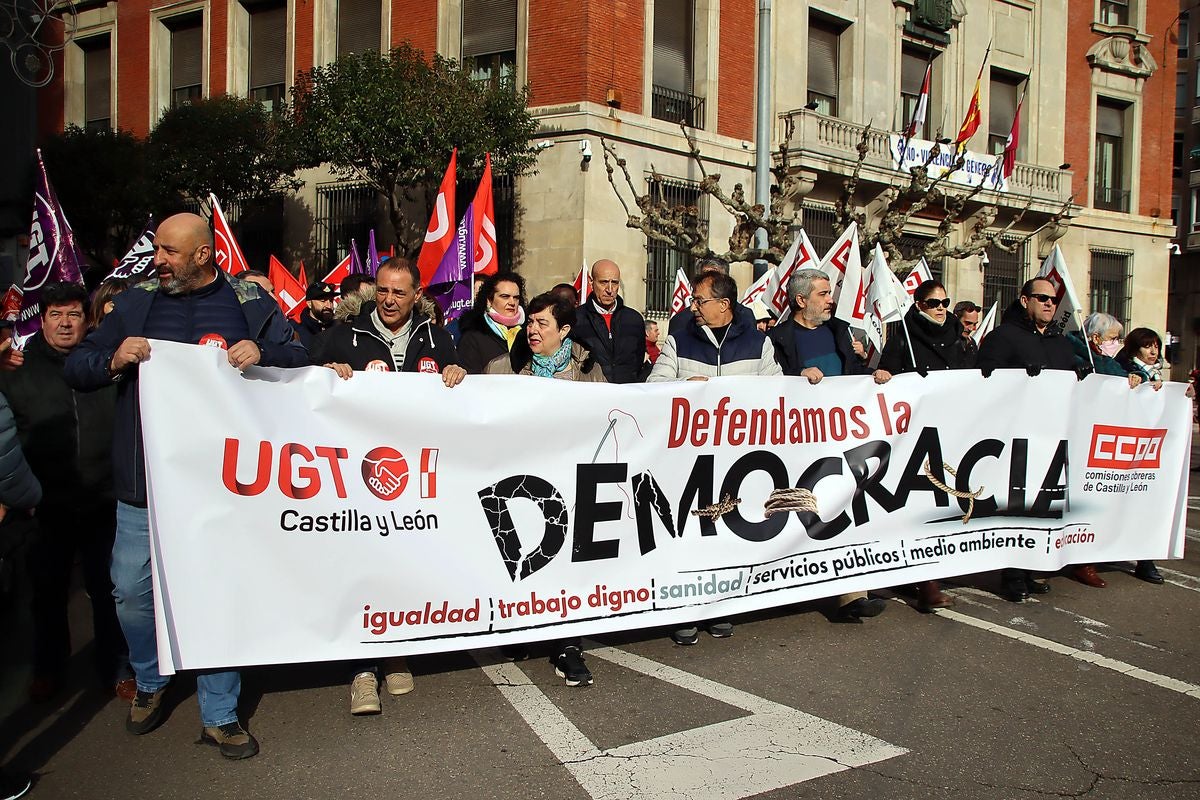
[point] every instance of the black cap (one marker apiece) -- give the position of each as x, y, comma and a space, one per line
319, 290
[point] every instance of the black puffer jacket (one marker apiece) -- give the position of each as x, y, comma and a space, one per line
430, 348
1016, 344
479, 344
621, 352
934, 346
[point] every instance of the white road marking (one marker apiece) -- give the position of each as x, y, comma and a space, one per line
774, 747
1095, 659
1180, 579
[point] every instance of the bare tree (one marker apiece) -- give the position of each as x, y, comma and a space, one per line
681, 228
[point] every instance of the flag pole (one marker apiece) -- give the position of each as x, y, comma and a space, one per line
908, 339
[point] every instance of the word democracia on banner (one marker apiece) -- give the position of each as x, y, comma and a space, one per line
301, 472
868, 464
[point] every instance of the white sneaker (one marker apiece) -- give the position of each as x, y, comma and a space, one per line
398, 678
364, 694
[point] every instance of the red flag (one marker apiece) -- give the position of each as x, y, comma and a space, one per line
1010, 147
303, 278
971, 121
440, 233
226, 252
341, 271
583, 283
288, 291
486, 259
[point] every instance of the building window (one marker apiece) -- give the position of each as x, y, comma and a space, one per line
912, 77
97, 82
1110, 283
672, 96
1183, 35
913, 247
187, 58
1111, 191
359, 26
1003, 275
1114, 12
823, 58
1181, 97
345, 211
268, 53
1195, 218
663, 262
818, 222
1177, 157
1003, 96
489, 39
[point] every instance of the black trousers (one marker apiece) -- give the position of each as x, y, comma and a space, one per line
87, 531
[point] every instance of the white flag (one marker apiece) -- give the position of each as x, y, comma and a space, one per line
1054, 269
852, 301
681, 295
757, 289
838, 260
801, 255
985, 325
920, 273
886, 295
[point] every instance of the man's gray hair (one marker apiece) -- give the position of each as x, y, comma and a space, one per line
801, 283
1099, 324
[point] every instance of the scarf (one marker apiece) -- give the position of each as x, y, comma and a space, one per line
1153, 370
507, 328
548, 366
933, 321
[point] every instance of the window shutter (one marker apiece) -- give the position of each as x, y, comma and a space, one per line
1110, 120
1003, 105
268, 46
488, 27
912, 72
822, 58
360, 24
187, 53
97, 55
673, 44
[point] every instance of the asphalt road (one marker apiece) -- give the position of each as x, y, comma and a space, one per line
1081, 692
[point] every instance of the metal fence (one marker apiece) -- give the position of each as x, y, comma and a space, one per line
1003, 275
678, 107
1110, 285
345, 211
663, 262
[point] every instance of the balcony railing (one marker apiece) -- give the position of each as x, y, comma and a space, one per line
1109, 198
832, 144
677, 107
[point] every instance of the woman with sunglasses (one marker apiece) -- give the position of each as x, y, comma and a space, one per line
930, 339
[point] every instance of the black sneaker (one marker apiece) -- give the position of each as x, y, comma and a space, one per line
720, 630
231, 739
145, 712
13, 786
685, 637
570, 667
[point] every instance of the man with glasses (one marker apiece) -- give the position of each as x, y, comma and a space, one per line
713, 344
1026, 340
814, 345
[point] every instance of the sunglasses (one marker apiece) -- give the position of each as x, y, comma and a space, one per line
932, 304
1044, 298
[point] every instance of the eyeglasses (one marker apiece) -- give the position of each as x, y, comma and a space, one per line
700, 301
932, 304
1044, 298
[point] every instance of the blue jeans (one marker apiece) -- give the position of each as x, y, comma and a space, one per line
132, 588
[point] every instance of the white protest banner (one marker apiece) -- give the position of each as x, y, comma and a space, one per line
378, 516
976, 168
1054, 269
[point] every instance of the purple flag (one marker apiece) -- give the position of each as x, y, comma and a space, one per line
356, 264
450, 285
54, 255
372, 256
139, 261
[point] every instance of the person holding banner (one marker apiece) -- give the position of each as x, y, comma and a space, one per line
1026, 339
813, 344
494, 323
548, 352
929, 339
704, 266
613, 332
1141, 354
195, 303
719, 340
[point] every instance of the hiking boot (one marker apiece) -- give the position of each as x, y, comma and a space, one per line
364, 694
570, 667
685, 636
232, 740
145, 712
397, 677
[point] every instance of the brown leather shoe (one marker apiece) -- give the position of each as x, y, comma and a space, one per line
126, 690
1087, 575
930, 596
